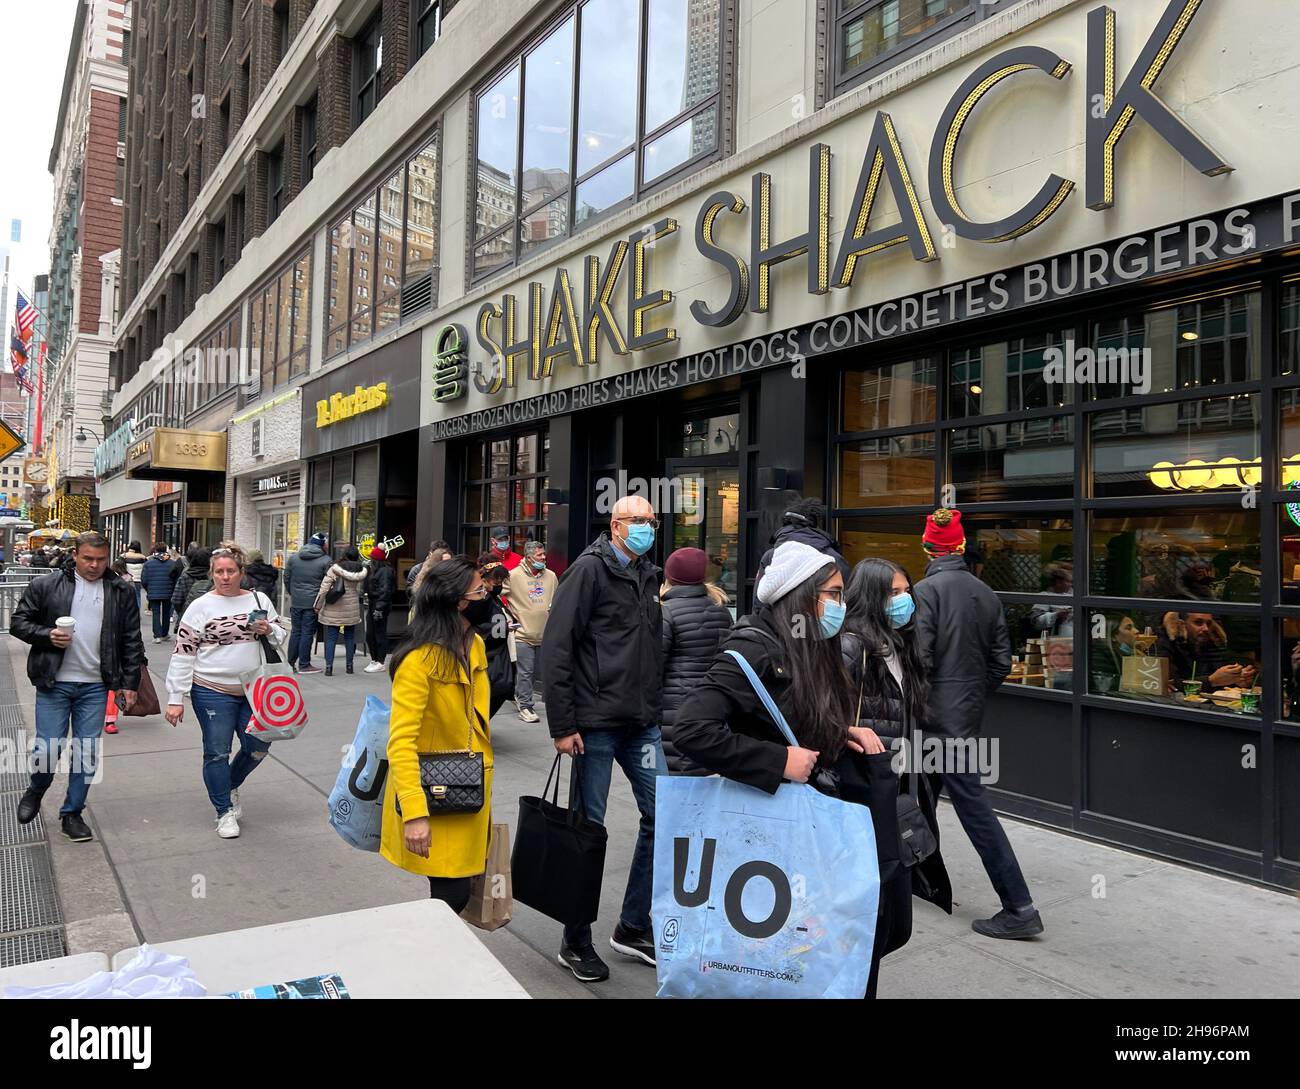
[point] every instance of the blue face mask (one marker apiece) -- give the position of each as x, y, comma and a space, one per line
1125, 649
832, 618
502, 544
900, 610
639, 539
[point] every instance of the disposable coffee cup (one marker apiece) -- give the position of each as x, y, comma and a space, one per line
66, 623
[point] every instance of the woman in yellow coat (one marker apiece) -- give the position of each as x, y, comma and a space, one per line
440, 701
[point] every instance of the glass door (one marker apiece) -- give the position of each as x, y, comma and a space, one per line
706, 515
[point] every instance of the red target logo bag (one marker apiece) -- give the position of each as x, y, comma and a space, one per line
279, 713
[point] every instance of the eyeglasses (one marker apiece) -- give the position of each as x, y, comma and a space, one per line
653, 523
222, 552
837, 595
480, 593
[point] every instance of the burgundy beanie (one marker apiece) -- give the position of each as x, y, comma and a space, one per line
686, 566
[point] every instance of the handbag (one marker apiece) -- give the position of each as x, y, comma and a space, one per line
915, 835
558, 862
269, 653
279, 711
146, 697
452, 779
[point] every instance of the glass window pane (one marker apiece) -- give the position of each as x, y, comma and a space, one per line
499, 502
270, 335
548, 112
889, 25
543, 224
421, 206
607, 89
1199, 554
493, 254
893, 396
526, 453
611, 186
499, 458
498, 153
897, 471
255, 359
525, 501
696, 136
386, 313
284, 320
474, 503
388, 255
336, 307
1289, 553
704, 435
1289, 435
1288, 356
894, 538
1023, 459
681, 58
1006, 376
1170, 448
301, 302
1192, 659
1042, 644
1021, 555
474, 461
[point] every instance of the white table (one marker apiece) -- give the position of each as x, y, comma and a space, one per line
414, 950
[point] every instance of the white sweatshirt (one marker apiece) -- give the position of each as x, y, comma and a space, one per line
215, 643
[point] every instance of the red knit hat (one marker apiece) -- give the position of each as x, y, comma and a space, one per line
943, 532
686, 566
378, 553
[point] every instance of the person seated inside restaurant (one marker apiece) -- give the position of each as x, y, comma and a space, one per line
1197, 648
1106, 659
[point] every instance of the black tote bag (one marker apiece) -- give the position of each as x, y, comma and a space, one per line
558, 862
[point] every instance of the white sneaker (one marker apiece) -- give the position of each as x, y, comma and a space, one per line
228, 825
235, 807
156, 640
374, 667
529, 715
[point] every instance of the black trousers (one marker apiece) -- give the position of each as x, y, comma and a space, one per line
377, 636
452, 891
975, 811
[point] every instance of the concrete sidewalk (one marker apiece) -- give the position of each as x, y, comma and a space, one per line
1118, 924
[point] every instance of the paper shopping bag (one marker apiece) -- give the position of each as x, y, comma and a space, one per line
1145, 676
490, 894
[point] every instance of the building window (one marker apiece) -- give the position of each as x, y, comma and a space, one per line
121, 120
367, 65
255, 438
505, 485
872, 34
119, 180
203, 375
280, 15
426, 25
218, 250
126, 47
307, 141
274, 183
538, 176
279, 316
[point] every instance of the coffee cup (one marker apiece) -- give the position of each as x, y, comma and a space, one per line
1192, 689
66, 623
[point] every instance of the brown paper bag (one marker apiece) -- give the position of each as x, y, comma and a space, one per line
491, 898
1145, 676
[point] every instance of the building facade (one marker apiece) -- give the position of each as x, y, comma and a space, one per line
1034, 258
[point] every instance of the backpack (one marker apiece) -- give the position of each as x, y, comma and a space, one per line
197, 589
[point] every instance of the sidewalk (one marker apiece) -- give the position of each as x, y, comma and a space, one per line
159, 870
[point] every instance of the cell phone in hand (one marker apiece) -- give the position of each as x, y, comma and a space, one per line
256, 615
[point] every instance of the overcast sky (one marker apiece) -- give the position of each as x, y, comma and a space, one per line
33, 54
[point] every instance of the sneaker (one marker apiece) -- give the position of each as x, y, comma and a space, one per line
110, 728
228, 825
308, 669
528, 714
76, 829
374, 667
156, 640
637, 944
1007, 924
235, 807
584, 964
29, 805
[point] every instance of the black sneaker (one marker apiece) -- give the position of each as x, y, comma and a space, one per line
584, 964
76, 829
29, 805
1007, 924
329, 671
637, 944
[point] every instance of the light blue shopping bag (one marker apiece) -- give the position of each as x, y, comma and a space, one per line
357, 800
762, 895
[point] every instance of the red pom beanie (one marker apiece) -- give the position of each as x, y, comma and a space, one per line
378, 553
943, 532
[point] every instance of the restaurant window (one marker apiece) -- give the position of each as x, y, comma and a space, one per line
870, 35
1288, 356
642, 78
367, 70
426, 25
505, 485
278, 315
327, 513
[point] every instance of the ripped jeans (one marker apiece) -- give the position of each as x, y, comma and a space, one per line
220, 718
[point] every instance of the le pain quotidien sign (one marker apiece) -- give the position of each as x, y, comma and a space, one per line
523, 340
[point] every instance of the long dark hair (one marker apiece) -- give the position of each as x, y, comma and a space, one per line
867, 599
819, 683
437, 621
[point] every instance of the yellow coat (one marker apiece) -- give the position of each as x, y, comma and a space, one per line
432, 711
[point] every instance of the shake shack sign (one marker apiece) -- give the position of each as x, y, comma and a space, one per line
617, 305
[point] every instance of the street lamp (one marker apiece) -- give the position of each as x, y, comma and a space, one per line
81, 434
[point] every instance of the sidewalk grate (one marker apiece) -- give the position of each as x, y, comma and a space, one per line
11, 714
27, 900
12, 834
32, 946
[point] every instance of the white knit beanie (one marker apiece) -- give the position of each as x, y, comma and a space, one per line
792, 563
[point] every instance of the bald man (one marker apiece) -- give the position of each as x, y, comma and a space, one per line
602, 666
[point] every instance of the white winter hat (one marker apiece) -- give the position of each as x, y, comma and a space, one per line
792, 563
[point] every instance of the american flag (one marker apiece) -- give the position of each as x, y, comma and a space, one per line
27, 315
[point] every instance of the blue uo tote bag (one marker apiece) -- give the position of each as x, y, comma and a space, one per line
357, 800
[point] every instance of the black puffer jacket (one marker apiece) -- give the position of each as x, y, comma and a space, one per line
265, 578
602, 658
197, 571
962, 638
121, 648
694, 625
809, 535
381, 585
882, 707
159, 577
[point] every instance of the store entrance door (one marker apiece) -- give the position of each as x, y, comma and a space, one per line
706, 515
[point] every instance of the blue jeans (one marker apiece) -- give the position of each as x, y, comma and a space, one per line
301, 636
220, 718
82, 703
639, 752
332, 640
162, 617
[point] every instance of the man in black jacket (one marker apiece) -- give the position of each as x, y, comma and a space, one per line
602, 662
73, 665
962, 638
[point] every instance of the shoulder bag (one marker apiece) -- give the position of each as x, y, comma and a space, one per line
452, 779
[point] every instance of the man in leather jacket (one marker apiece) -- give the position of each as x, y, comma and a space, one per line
73, 669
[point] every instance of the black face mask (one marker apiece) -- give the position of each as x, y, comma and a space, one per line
478, 612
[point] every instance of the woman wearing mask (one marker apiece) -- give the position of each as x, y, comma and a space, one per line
345, 610
440, 703
493, 621
216, 643
381, 585
696, 619
1106, 657
792, 642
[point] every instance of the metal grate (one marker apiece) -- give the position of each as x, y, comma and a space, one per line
11, 832
36, 945
13, 781
11, 715
27, 900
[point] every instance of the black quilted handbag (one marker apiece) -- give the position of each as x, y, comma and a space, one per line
452, 780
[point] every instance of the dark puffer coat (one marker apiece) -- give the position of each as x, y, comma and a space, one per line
882, 700
265, 578
694, 625
197, 571
159, 577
